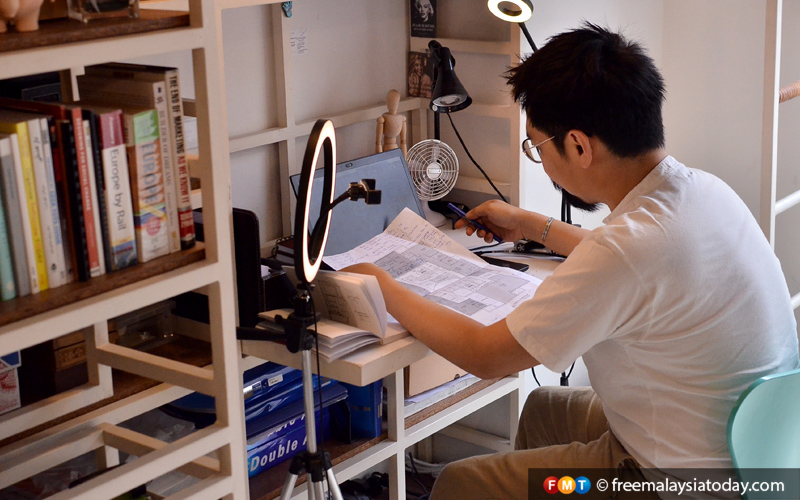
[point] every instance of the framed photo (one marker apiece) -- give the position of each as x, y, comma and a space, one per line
420, 74
423, 18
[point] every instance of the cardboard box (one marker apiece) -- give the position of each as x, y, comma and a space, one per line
9, 382
429, 372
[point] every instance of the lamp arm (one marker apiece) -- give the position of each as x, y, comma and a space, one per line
527, 36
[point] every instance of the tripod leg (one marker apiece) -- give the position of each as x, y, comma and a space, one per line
288, 486
333, 486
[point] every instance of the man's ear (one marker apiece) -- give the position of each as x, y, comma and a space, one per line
580, 146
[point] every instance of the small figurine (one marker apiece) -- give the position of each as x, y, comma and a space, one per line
24, 13
390, 125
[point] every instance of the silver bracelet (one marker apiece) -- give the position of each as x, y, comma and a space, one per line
546, 228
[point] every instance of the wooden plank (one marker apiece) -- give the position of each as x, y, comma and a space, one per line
126, 385
165, 370
29, 306
138, 444
63, 31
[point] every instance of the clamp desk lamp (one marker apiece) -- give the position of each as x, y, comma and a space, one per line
448, 93
307, 261
520, 11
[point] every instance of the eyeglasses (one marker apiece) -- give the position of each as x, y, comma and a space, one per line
532, 150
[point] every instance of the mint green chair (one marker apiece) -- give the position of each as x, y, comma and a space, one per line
764, 426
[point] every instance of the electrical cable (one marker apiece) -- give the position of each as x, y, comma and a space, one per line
416, 475
473, 159
321, 437
533, 372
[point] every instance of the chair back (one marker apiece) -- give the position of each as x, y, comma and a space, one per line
764, 426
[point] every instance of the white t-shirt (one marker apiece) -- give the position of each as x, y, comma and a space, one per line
677, 304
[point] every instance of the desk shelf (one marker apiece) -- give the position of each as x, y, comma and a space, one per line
349, 460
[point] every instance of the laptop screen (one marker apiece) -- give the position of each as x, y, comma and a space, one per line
354, 222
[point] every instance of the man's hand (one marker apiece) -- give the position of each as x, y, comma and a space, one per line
500, 218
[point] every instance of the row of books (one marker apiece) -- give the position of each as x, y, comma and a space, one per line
95, 186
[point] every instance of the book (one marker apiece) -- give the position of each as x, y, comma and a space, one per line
109, 91
8, 289
49, 210
13, 213
20, 123
430, 397
73, 195
147, 182
71, 113
171, 77
92, 159
114, 188
353, 313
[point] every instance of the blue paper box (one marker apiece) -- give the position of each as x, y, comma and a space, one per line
282, 444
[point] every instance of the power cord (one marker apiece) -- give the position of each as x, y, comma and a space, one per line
473, 159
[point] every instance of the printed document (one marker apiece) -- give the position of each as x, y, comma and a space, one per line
431, 264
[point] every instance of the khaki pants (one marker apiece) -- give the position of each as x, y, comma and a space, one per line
560, 427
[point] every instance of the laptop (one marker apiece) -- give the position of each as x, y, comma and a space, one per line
354, 222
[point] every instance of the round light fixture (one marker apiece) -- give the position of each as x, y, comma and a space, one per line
513, 11
308, 258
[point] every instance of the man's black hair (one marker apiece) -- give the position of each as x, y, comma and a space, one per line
595, 81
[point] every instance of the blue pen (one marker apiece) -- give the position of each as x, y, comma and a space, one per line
477, 224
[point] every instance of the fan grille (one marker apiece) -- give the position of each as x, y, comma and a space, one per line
434, 168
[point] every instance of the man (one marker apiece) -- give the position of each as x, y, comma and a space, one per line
676, 304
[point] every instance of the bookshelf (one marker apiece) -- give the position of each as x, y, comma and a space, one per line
45, 434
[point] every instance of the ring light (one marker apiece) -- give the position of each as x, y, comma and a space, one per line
308, 258
520, 14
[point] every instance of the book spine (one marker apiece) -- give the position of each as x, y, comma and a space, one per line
40, 231
30, 213
8, 289
98, 210
86, 193
169, 167
121, 234
13, 210
72, 192
100, 182
147, 180
61, 200
184, 192
48, 211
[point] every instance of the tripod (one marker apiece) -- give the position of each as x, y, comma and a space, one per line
315, 463
295, 328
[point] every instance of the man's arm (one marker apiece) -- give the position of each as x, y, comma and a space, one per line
485, 351
512, 223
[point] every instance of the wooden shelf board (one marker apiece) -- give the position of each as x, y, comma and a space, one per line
61, 31
184, 349
21, 308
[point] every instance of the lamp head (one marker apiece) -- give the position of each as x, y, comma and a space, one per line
513, 11
448, 93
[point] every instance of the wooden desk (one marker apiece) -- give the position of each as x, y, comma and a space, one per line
387, 362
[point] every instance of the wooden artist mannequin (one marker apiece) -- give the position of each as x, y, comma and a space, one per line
390, 125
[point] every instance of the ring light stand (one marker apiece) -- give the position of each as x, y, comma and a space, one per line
307, 261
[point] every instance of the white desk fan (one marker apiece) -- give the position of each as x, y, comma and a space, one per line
434, 169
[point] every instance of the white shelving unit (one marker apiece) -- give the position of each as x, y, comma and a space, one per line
771, 206
214, 454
